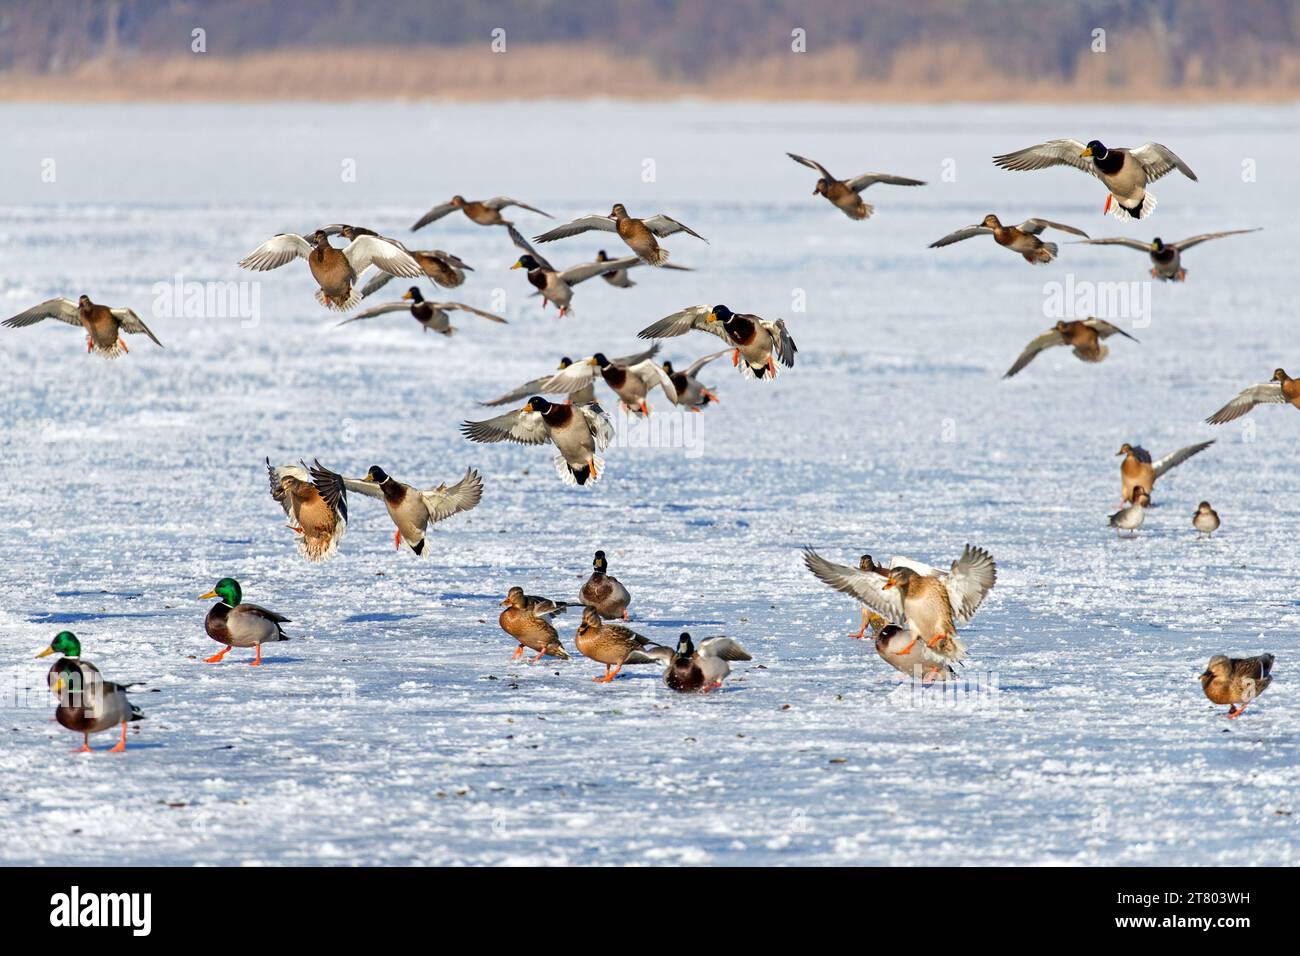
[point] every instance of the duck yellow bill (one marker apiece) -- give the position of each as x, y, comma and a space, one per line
517, 265
889, 583
210, 594
528, 407
46, 653
713, 316
1087, 151
407, 297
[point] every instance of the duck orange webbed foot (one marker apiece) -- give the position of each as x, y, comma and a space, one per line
256, 661
908, 649
121, 744
519, 652
216, 658
397, 540
122, 343
735, 358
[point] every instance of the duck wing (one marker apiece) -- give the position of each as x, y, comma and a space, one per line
1159, 160
276, 251
859, 183
65, 310
583, 224
1184, 244
1178, 457
971, 577
867, 586
662, 225
443, 501
1047, 340
1055, 152
966, 232
519, 426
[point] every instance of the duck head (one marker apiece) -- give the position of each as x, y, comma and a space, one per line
601, 257
83, 302
720, 313
1124, 449
1203, 508
899, 578
376, 474
1095, 149
1157, 244
618, 211
320, 237
514, 598
866, 563
413, 294
667, 367
590, 617
526, 262
1280, 376
1218, 667
991, 222
537, 404
685, 647
600, 360
565, 362
228, 590
823, 184
458, 200
599, 563
1141, 497
65, 643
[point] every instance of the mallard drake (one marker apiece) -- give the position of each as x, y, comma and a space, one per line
236, 624
583, 396
1022, 238
442, 267
1166, 258
1205, 520
1125, 172
639, 234
580, 434
104, 326
631, 383
752, 338
1282, 389
555, 285
1236, 680
431, 315
617, 274
843, 194
703, 669
604, 592
88, 704
1138, 470
929, 604
691, 393
1130, 517
486, 212
413, 510
526, 619
335, 270
315, 501
612, 644
894, 644
1083, 336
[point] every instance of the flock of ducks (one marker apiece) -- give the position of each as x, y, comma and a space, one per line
911, 608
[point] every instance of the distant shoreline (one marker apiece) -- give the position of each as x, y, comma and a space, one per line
565, 72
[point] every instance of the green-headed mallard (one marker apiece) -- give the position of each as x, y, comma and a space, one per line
88, 704
1205, 520
315, 501
104, 326
691, 392
485, 212
1166, 257
1282, 389
1084, 336
1022, 239
335, 270
413, 510
1236, 680
612, 644
639, 234
928, 601
236, 624
432, 316
1130, 517
756, 340
1138, 470
555, 285
1125, 172
604, 592
443, 268
843, 194
580, 433
583, 396
702, 668
526, 618
631, 383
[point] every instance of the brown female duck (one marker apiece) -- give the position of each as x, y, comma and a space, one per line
1022, 238
1137, 470
104, 326
315, 501
485, 212
612, 644
526, 619
335, 270
641, 235
1236, 681
1282, 389
443, 268
1083, 336
844, 194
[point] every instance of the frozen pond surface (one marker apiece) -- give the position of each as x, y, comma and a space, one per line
394, 728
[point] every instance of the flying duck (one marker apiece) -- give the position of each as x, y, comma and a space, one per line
335, 270
485, 212
1166, 258
1138, 470
617, 275
1022, 238
580, 433
104, 326
443, 268
691, 393
315, 501
1282, 389
843, 194
583, 396
413, 510
431, 315
751, 338
631, 383
554, 285
1125, 172
639, 234
1083, 336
